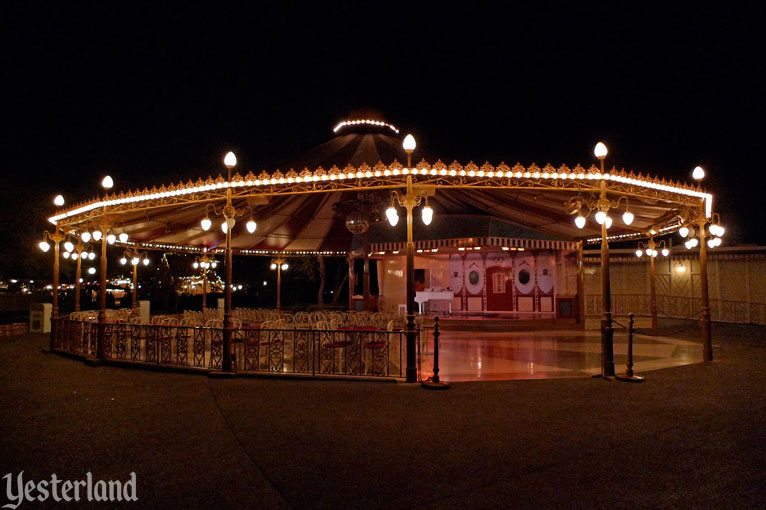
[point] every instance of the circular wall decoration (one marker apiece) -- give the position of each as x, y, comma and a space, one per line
473, 277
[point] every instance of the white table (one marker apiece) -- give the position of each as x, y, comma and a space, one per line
427, 295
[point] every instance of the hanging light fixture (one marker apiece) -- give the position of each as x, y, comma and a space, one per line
65, 254
698, 173
111, 238
627, 217
639, 253
392, 214
107, 182
428, 213
683, 231
665, 252
580, 220
251, 225
44, 246
600, 217
608, 221
58, 201
68, 246
123, 237
85, 236
97, 235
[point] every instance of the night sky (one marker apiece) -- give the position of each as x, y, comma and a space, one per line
156, 95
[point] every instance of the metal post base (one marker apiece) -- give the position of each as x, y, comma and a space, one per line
435, 385
629, 378
601, 376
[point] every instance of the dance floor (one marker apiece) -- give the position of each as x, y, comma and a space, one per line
482, 356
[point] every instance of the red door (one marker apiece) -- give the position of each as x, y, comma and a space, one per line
499, 297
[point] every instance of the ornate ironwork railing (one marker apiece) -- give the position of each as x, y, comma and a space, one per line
348, 352
684, 307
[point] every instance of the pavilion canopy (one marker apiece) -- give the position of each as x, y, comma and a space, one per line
305, 217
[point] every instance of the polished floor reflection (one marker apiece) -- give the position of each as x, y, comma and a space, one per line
476, 356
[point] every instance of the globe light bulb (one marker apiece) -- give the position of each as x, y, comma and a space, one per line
74, 255
600, 150
135, 261
428, 214
44, 246
718, 241
654, 253
273, 266
68, 246
224, 227
214, 264
600, 217
251, 226
145, 261
206, 223
683, 231
91, 256
580, 221
107, 182
92, 270
65, 254
409, 143
85, 236
608, 221
639, 253
698, 173
688, 244
58, 201
392, 215
230, 160
97, 235
123, 237
123, 261
627, 217
665, 252
711, 242
285, 266
111, 238
195, 265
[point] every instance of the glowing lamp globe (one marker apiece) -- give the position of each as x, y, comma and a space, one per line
123, 261
251, 226
392, 215
92, 270
711, 242
665, 252
580, 221
698, 173
146, 261
608, 221
627, 217
135, 260
91, 256
683, 231
206, 223
107, 182
214, 264
97, 235
285, 266
428, 215
65, 254
230, 160
68, 246
44, 246
639, 253
273, 266
195, 265
74, 255
600, 217
58, 201
85, 236
409, 143
111, 238
123, 237
600, 150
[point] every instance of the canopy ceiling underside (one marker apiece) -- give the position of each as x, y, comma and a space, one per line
309, 222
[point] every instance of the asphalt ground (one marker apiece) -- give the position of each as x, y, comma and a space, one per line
688, 437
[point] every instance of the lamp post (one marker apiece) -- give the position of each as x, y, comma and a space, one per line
229, 213
607, 331
77, 253
56, 237
279, 264
135, 257
410, 200
204, 263
651, 251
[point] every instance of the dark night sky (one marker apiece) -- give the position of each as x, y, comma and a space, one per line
160, 94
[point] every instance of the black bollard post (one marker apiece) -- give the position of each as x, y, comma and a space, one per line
629, 376
434, 383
